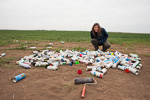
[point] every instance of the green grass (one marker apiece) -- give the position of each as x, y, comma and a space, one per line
5, 62
21, 46
8, 37
79, 49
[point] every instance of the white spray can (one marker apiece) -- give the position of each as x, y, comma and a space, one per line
52, 67
24, 65
40, 64
133, 55
103, 70
89, 68
116, 61
32, 47
135, 64
53, 59
3, 54
35, 52
133, 70
121, 67
96, 64
95, 73
123, 61
109, 65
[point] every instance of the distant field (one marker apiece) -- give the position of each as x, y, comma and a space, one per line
9, 36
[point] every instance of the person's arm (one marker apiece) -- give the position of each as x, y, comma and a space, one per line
105, 36
91, 35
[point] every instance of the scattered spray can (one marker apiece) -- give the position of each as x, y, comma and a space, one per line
3, 54
18, 77
32, 47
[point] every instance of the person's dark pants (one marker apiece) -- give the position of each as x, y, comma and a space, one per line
95, 43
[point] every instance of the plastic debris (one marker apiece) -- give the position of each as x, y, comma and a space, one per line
3, 54
62, 42
32, 47
49, 47
79, 72
51, 44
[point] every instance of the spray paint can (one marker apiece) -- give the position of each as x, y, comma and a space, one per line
89, 68
116, 61
133, 70
103, 70
52, 67
62, 42
83, 80
98, 69
118, 54
121, 67
55, 63
37, 64
135, 64
133, 55
109, 65
123, 61
138, 67
3, 54
87, 62
98, 74
70, 63
18, 77
51, 44
35, 52
24, 65
53, 59
49, 47
96, 64
32, 47
101, 64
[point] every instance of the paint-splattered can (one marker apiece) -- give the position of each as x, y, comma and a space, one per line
18, 77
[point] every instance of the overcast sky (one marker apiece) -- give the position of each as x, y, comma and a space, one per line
113, 15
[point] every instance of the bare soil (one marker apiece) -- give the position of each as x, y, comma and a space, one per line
43, 84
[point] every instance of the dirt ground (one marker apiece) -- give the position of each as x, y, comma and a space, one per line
43, 84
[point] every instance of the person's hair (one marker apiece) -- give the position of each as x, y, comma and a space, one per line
99, 29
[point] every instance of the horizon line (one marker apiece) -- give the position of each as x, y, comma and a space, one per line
67, 30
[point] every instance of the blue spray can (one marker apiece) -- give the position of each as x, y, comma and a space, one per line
18, 77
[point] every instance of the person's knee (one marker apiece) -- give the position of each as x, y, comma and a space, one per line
107, 46
93, 41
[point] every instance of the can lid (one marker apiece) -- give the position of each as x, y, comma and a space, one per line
14, 80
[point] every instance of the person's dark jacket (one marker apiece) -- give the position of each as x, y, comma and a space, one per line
101, 39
